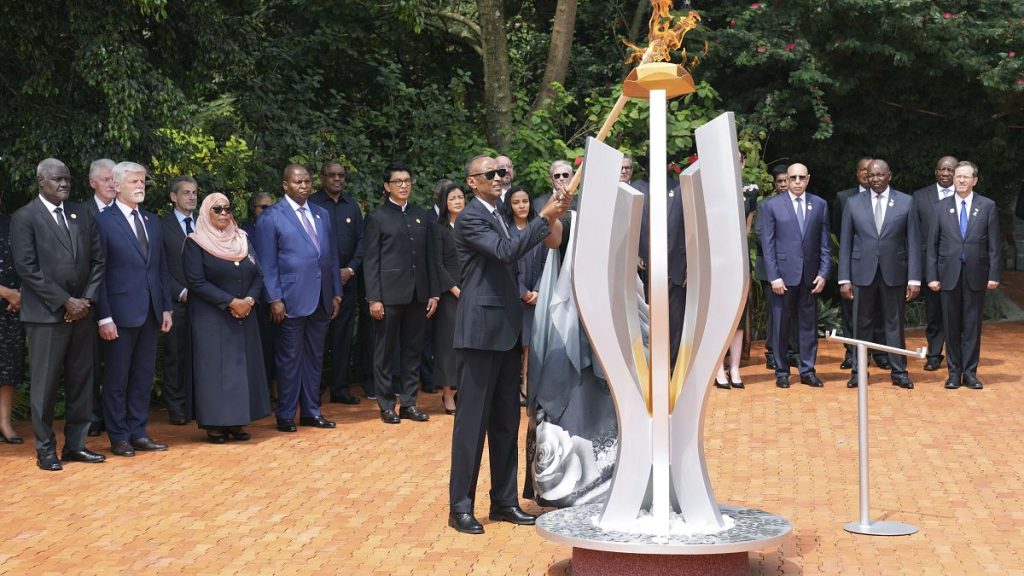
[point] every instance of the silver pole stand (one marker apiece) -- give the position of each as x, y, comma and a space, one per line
865, 525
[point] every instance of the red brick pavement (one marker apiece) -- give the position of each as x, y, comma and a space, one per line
367, 498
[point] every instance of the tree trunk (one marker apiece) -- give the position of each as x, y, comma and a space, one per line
635, 29
562, 31
497, 86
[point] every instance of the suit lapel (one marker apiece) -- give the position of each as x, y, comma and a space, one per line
976, 213
889, 209
122, 223
293, 216
50, 222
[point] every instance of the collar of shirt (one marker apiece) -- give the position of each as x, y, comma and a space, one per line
181, 218
295, 206
401, 207
100, 205
969, 199
793, 197
884, 194
126, 210
939, 188
490, 208
51, 207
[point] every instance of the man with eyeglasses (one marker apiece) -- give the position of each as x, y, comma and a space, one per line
399, 269
177, 225
797, 257
925, 200
347, 224
302, 287
487, 346
560, 174
780, 185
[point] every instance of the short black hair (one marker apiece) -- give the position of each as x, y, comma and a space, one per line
396, 167
780, 169
442, 201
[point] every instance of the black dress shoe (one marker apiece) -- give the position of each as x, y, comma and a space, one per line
122, 448
286, 425
769, 362
316, 422
952, 383
388, 416
96, 428
413, 413
971, 381
147, 444
345, 398
83, 455
722, 385
903, 381
883, 362
811, 380
239, 433
464, 523
216, 436
738, 385
12, 439
48, 461
852, 382
177, 419
512, 514
933, 363
431, 390
782, 381
846, 364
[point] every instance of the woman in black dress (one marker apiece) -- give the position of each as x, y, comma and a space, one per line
451, 201
12, 351
518, 211
224, 279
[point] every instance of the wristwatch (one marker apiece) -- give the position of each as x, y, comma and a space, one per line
250, 300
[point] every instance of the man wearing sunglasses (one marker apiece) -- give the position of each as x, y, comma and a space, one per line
505, 163
560, 175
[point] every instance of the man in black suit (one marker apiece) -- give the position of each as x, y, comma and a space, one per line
59, 259
347, 223
134, 305
505, 163
964, 259
879, 264
401, 287
925, 200
487, 346
178, 224
101, 180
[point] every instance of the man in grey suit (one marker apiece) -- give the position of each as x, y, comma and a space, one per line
487, 346
879, 263
58, 256
925, 200
178, 224
964, 260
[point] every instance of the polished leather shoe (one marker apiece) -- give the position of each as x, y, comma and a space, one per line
177, 419
738, 385
465, 523
952, 383
388, 416
316, 422
512, 514
83, 455
48, 461
216, 437
12, 439
846, 364
883, 362
811, 380
769, 362
147, 444
286, 425
345, 398
852, 382
722, 385
239, 433
903, 381
971, 381
96, 428
413, 413
782, 381
933, 363
122, 448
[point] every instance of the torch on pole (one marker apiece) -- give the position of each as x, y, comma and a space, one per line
865, 525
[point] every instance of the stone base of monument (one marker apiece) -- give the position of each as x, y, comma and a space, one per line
597, 552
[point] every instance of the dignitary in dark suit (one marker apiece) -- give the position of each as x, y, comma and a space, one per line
964, 260
58, 257
797, 257
488, 323
101, 181
780, 185
134, 305
880, 264
179, 223
925, 200
224, 280
296, 248
347, 224
401, 288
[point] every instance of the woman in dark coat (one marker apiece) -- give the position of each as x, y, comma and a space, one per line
224, 280
451, 201
12, 351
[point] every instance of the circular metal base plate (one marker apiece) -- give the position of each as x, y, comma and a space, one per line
881, 528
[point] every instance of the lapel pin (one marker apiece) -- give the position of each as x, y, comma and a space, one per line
317, 215
147, 218
237, 264
671, 194
73, 216
952, 210
417, 220
809, 207
891, 203
975, 212
348, 220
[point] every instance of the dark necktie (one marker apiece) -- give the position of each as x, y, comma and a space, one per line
963, 228
800, 213
310, 231
140, 233
63, 225
188, 225
501, 222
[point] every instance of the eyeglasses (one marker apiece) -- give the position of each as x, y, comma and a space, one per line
561, 175
402, 183
626, 169
221, 209
262, 206
490, 174
799, 177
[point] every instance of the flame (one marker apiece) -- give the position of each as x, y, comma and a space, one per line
666, 34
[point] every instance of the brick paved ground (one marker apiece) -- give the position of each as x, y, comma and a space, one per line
371, 499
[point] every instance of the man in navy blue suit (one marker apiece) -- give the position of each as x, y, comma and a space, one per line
134, 304
797, 257
880, 264
302, 284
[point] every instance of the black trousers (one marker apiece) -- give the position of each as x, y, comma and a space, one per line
403, 328
962, 310
933, 331
339, 343
175, 360
878, 302
488, 406
68, 350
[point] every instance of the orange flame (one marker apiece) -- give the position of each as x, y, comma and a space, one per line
666, 34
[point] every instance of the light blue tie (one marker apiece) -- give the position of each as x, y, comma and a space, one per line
963, 228
800, 214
